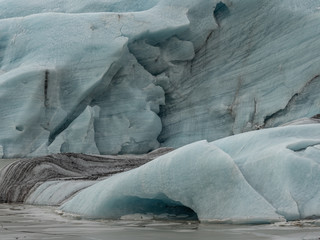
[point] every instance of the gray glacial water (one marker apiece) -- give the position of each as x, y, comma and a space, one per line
33, 223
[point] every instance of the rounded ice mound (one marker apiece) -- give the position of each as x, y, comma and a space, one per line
199, 176
257, 177
282, 164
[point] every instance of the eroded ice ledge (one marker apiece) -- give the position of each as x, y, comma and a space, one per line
62, 175
262, 176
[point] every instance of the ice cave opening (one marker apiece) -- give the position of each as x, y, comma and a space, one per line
161, 208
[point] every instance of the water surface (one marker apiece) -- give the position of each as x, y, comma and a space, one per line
31, 222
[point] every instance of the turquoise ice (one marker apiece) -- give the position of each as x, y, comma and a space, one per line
115, 76
257, 177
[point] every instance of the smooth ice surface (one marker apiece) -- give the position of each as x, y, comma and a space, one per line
283, 166
53, 193
119, 76
261, 176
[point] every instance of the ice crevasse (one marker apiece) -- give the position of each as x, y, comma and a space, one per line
257, 177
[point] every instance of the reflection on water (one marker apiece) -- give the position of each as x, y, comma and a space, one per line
30, 222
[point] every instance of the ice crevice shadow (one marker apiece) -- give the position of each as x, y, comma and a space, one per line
159, 208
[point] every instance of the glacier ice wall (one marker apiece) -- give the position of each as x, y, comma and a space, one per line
256, 177
259, 68
116, 76
83, 90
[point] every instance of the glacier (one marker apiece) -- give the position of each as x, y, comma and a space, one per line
96, 95
118, 77
257, 177
262, 176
